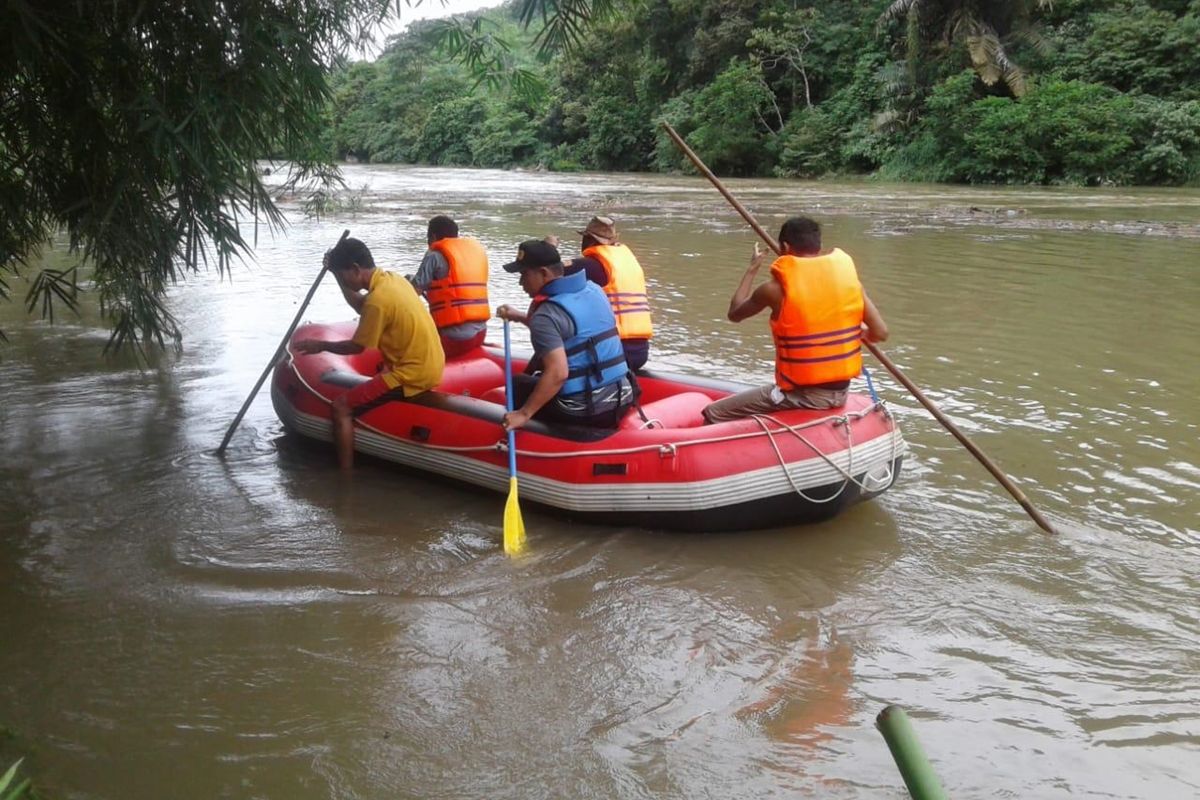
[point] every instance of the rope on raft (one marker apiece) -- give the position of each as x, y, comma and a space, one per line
844, 420
848, 472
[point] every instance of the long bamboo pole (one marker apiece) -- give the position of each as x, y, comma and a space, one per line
937, 413
278, 352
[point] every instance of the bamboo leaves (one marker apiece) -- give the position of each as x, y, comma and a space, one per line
135, 135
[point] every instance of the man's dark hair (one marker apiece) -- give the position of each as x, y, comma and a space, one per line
442, 227
347, 253
802, 233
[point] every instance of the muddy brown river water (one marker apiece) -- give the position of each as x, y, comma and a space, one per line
175, 625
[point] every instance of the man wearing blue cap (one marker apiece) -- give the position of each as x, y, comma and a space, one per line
578, 373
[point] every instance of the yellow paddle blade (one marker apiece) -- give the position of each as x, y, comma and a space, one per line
514, 526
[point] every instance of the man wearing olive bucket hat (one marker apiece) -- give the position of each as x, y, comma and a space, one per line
613, 266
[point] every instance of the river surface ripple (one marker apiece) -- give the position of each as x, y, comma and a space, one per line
179, 626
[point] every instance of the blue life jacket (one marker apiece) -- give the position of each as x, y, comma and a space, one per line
594, 354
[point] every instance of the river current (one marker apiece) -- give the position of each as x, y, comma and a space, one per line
177, 625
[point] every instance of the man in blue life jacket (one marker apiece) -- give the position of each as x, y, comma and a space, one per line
578, 373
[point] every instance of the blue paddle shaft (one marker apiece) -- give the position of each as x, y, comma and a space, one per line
508, 401
870, 385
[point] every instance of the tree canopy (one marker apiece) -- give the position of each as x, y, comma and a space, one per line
133, 128
1016, 91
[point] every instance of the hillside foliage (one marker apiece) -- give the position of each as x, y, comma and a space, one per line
1093, 92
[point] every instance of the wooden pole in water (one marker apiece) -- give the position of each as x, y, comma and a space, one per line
278, 352
937, 413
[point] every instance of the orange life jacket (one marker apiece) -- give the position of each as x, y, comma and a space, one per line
462, 295
818, 332
626, 289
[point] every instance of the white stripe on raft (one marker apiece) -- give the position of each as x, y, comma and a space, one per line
870, 458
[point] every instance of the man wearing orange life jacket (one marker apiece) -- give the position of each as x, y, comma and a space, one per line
614, 268
819, 315
453, 277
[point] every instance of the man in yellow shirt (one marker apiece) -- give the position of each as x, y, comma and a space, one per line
394, 320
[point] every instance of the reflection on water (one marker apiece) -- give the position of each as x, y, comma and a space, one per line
260, 627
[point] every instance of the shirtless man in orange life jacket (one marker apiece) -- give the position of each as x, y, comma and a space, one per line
819, 315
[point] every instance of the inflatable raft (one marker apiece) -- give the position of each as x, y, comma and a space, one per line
668, 470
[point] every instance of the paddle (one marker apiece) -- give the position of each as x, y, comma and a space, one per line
278, 351
514, 525
999, 475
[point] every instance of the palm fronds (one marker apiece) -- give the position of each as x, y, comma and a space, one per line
987, 29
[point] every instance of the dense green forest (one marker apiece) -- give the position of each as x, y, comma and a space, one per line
1070, 91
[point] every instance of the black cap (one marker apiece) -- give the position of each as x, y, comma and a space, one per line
534, 253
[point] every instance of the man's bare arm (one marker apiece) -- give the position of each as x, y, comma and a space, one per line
514, 315
767, 295
353, 298
554, 375
876, 328
742, 305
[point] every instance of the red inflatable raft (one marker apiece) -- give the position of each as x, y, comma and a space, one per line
672, 472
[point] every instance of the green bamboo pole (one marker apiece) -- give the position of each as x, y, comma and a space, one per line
915, 768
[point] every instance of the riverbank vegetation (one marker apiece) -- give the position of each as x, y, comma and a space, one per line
1093, 92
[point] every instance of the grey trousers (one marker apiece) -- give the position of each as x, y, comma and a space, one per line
770, 398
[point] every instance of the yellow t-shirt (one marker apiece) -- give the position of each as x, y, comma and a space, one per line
396, 321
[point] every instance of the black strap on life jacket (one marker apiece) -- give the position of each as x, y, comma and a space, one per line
593, 371
591, 342
637, 395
